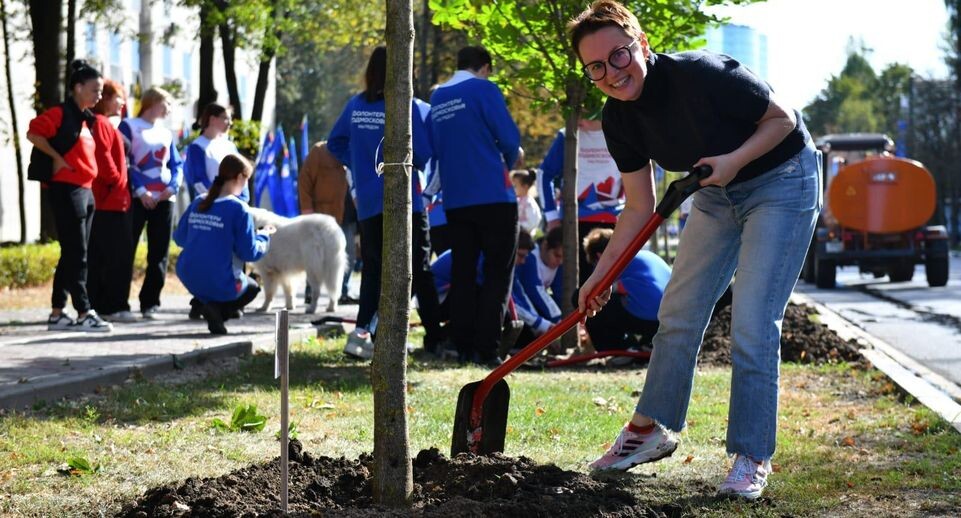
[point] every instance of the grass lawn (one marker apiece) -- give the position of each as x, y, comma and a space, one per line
849, 443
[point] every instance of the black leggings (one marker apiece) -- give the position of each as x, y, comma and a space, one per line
110, 262
422, 286
231, 307
73, 216
477, 312
159, 222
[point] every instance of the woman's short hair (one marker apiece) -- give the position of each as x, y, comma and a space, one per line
601, 14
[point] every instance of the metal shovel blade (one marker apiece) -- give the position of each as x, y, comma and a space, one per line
493, 420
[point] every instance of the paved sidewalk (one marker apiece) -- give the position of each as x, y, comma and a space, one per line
36, 364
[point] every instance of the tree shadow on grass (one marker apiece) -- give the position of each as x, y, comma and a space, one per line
141, 401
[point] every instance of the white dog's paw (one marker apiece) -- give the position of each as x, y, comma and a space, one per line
263, 309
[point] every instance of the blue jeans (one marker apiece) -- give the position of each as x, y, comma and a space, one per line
761, 228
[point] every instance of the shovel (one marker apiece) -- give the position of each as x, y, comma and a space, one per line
480, 420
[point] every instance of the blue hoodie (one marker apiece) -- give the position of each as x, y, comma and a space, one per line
475, 141
357, 141
642, 284
215, 245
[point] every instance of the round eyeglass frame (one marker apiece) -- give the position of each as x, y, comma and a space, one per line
630, 59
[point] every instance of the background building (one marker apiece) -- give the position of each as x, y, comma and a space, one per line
742, 43
171, 60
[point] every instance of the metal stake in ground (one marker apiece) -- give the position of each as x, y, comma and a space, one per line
281, 370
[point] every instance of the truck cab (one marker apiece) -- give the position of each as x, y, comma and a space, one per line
875, 215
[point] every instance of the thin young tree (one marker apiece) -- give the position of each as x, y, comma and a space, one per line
14, 127
393, 477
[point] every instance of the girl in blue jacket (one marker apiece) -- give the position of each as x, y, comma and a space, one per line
217, 235
357, 141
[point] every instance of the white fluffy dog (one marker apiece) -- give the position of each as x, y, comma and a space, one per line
313, 244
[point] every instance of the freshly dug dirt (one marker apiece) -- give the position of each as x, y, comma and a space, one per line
464, 486
803, 339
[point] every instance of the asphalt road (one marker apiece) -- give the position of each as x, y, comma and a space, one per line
922, 322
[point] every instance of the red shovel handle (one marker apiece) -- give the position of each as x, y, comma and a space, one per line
676, 193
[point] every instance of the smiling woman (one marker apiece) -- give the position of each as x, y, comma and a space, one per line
755, 215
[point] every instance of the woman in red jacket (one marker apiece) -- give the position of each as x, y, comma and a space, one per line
110, 252
71, 198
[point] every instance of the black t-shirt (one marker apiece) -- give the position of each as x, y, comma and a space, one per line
693, 105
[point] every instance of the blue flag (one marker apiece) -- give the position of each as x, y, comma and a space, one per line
304, 140
283, 190
265, 166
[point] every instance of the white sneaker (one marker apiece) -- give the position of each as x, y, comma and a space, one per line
151, 312
120, 316
631, 449
359, 344
92, 323
60, 322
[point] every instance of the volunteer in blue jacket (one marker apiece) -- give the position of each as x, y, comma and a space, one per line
217, 235
629, 319
155, 175
357, 141
756, 214
476, 143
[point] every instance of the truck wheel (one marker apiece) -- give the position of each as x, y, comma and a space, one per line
901, 271
825, 271
936, 270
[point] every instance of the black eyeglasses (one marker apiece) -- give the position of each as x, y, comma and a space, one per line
619, 58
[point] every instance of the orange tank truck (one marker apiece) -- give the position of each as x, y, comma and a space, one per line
876, 214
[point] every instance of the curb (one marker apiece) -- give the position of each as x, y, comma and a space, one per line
59, 386
929, 388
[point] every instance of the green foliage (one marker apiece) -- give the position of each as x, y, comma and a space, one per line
291, 432
23, 266
79, 466
860, 100
530, 38
244, 419
246, 136
176, 89
28, 265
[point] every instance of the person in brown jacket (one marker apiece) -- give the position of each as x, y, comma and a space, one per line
323, 189
322, 183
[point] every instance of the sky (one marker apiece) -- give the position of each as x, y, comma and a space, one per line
807, 39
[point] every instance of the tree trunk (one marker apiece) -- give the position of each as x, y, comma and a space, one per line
228, 44
146, 44
71, 39
392, 477
263, 72
45, 19
575, 92
208, 93
14, 127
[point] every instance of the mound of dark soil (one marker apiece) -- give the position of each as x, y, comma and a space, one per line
466, 485
803, 339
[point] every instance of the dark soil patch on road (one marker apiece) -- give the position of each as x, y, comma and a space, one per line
464, 486
803, 339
